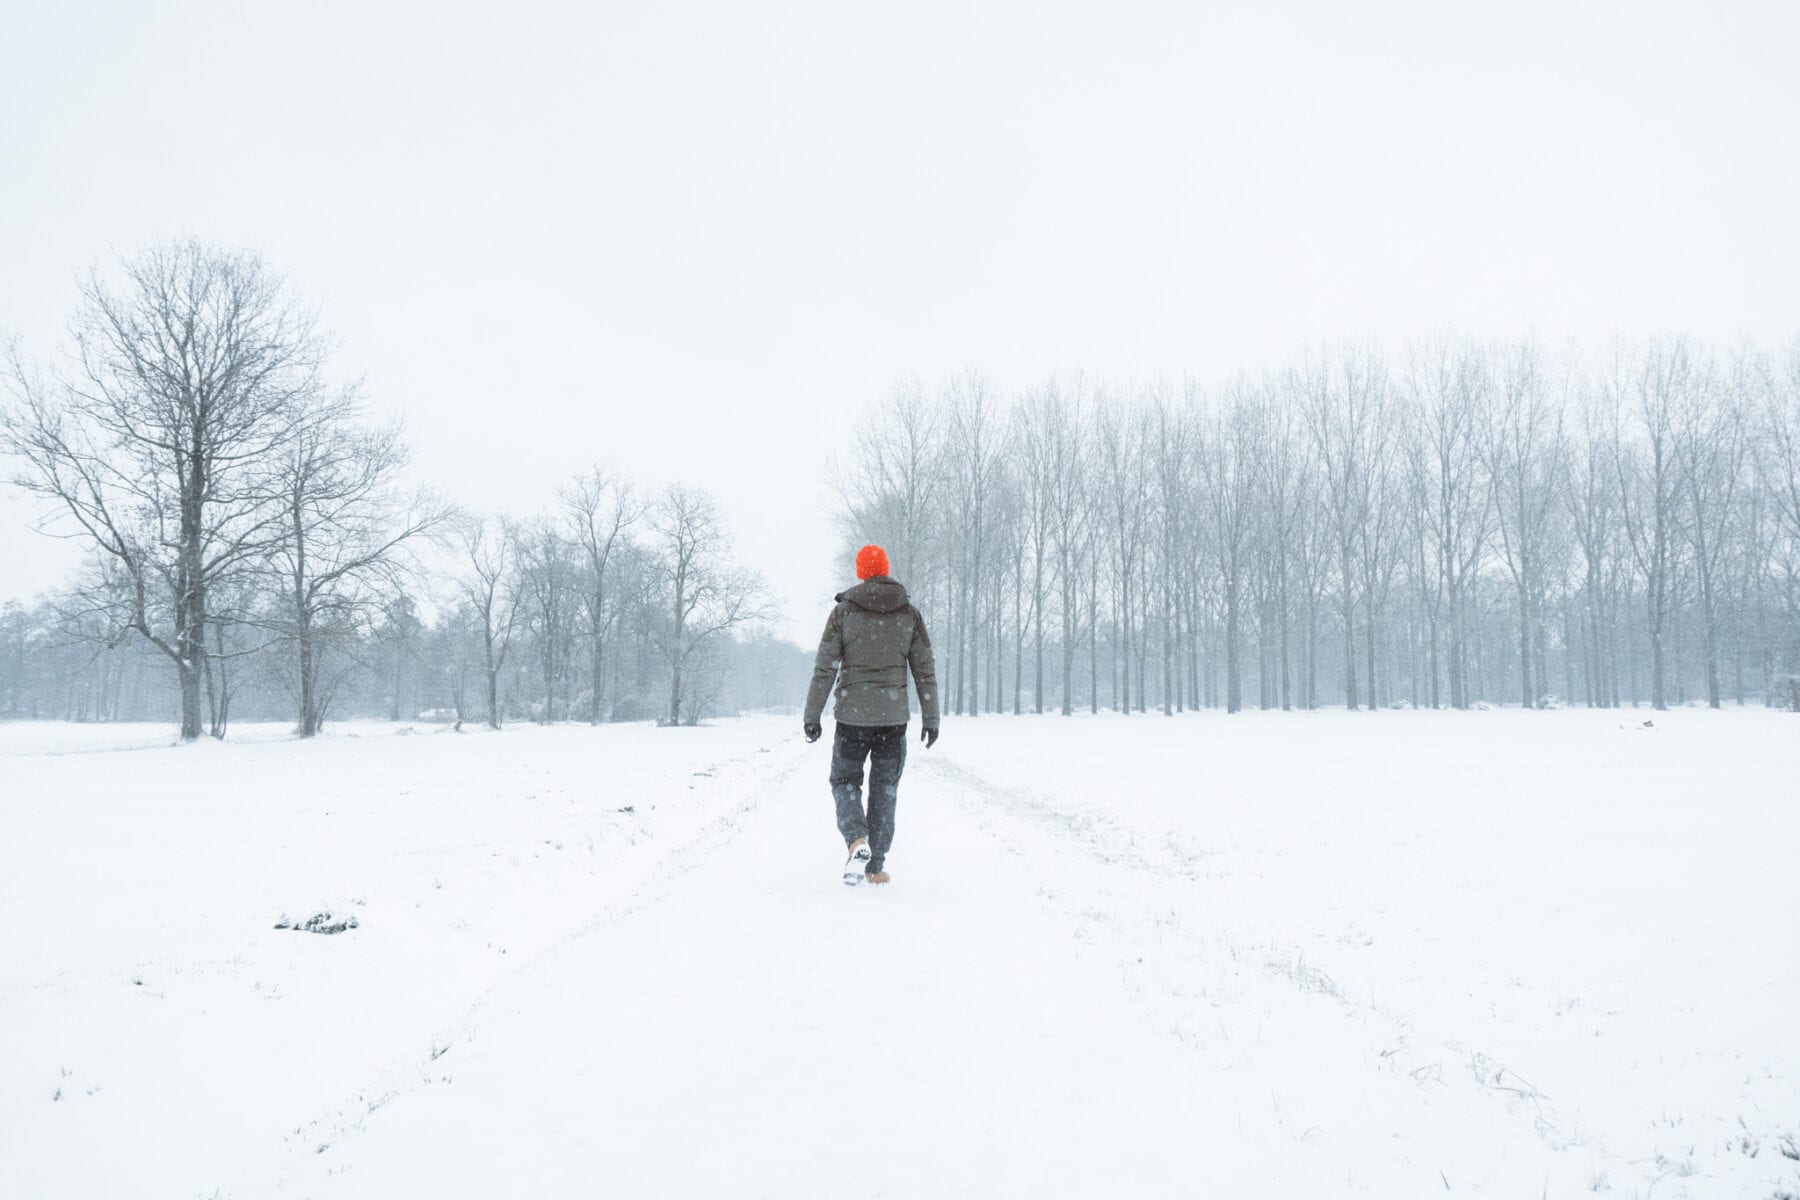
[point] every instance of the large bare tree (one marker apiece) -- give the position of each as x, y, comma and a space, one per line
193, 371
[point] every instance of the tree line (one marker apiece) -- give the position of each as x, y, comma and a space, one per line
1456, 524
255, 546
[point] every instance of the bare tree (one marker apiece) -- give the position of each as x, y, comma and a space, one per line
1779, 465
490, 586
971, 470
1452, 496
1652, 390
238, 633
189, 379
1124, 485
601, 508
1524, 449
1380, 540
346, 524
1711, 444
1781, 457
1031, 440
1281, 503
1065, 419
399, 637
1344, 394
1228, 468
1591, 495
887, 490
706, 594
547, 582
1172, 445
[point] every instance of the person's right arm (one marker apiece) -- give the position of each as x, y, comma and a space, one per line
825, 668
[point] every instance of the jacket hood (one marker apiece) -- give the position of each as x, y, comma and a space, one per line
878, 595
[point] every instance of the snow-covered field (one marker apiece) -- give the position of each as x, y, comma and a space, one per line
1396, 954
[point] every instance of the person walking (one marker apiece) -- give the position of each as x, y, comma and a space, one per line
872, 637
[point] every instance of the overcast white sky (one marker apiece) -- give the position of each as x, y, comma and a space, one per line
696, 239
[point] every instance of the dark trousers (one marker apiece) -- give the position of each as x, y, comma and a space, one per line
885, 748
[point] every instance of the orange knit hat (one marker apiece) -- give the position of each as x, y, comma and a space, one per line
870, 562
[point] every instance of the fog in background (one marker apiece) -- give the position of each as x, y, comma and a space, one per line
696, 240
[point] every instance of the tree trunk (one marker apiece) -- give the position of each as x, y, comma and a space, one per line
1234, 687
309, 712
1124, 645
1037, 618
1018, 689
1312, 653
599, 672
1287, 625
1658, 692
597, 622
1369, 644
493, 685
1528, 698
190, 701
1068, 643
1094, 650
1169, 648
1712, 645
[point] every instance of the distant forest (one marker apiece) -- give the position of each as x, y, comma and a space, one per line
1454, 523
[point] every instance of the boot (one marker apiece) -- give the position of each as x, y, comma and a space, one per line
857, 865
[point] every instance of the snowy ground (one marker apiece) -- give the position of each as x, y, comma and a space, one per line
1397, 954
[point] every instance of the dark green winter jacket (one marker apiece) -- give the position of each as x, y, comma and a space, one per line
871, 638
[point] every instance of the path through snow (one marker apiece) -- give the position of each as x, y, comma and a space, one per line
1389, 955
752, 1027
1026, 1011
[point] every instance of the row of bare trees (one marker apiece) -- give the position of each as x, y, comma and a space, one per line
1454, 524
252, 525
1458, 523
613, 593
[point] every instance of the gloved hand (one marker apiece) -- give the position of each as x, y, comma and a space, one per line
812, 731
928, 735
